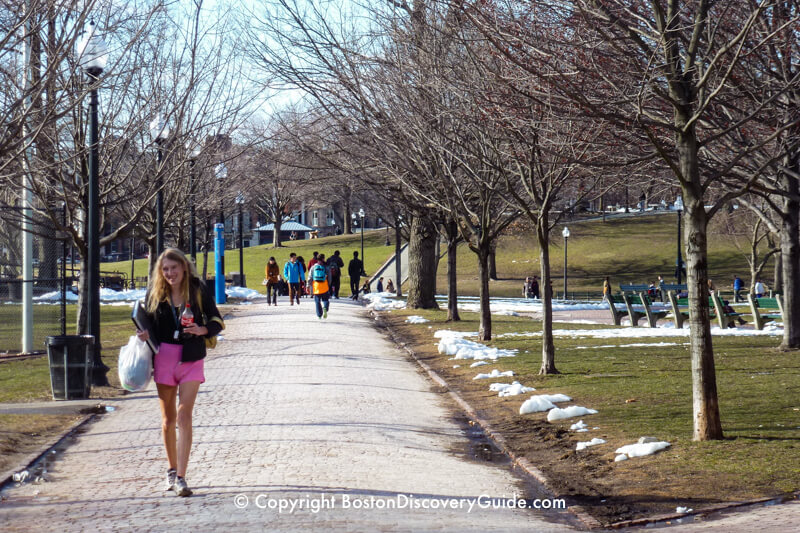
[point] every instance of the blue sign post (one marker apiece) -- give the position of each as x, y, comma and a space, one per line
219, 255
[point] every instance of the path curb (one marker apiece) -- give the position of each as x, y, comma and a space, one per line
6, 478
518, 461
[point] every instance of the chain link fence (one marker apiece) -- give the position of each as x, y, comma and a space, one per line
54, 271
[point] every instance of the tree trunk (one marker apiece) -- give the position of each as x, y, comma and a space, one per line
348, 226
151, 256
83, 292
422, 262
790, 259
707, 423
546, 290
206, 246
276, 232
493, 261
398, 266
452, 276
777, 274
485, 330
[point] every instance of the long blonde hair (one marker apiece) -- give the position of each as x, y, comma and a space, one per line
158, 288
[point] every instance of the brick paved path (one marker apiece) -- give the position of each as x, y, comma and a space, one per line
292, 408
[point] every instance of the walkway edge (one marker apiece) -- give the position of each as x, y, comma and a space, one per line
6, 478
499, 440
537, 474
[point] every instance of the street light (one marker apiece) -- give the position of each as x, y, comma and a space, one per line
361, 215
159, 131
93, 56
565, 233
194, 153
221, 172
240, 202
679, 260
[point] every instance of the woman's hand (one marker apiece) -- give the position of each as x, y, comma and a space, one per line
194, 329
143, 335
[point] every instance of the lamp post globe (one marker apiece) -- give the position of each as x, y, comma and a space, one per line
92, 57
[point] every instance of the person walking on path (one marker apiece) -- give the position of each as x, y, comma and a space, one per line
606, 288
303, 270
760, 289
273, 276
293, 274
184, 315
320, 280
311, 264
335, 266
737, 287
355, 270
379, 286
535, 287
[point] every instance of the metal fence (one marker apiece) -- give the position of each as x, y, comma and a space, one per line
53, 275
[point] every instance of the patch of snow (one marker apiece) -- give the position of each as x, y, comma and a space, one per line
624, 333
641, 449
383, 301
536, 404
414, 319
620, 458
557, 398
478, 363
514, 389
244, 293
633, 345
495, 374
593, 442
569, 412
683, 510
462, 348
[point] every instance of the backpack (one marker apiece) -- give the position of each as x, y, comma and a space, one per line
318, 273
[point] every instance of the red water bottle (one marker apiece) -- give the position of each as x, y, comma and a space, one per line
187, 317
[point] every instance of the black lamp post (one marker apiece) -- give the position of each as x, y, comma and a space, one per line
565, 233
221, 172
240, 202
93, 55
159, 131
361, 215
194, 153
679, 260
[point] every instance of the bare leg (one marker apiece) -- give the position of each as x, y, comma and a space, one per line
188, 394
169, 415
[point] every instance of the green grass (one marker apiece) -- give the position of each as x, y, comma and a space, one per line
255, 257
632, 250
759, 395
29, 379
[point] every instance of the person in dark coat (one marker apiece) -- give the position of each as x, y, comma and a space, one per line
355, 269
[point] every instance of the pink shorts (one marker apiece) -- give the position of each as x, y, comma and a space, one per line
168, 369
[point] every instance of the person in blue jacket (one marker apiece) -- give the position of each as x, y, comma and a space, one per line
293, 273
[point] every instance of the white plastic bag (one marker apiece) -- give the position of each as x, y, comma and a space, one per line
135, 365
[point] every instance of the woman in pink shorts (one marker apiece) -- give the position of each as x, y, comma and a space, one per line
178, 365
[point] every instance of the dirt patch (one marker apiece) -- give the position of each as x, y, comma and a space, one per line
610, 492
23, 435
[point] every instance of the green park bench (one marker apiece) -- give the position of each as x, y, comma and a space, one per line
757, 304
629, 300
680, 310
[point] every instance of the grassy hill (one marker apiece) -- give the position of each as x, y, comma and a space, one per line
256, 257
629, 250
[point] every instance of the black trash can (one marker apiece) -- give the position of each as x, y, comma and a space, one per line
71, 364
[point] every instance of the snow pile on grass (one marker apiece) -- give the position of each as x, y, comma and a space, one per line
478, 363
542, 402
569, 412
502, 306
535, 404
495, 374
514, 389
244, 293
461, 348
579, 427
634, 345
584, 445
414, 319
645, 446
383, 301
629, 332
